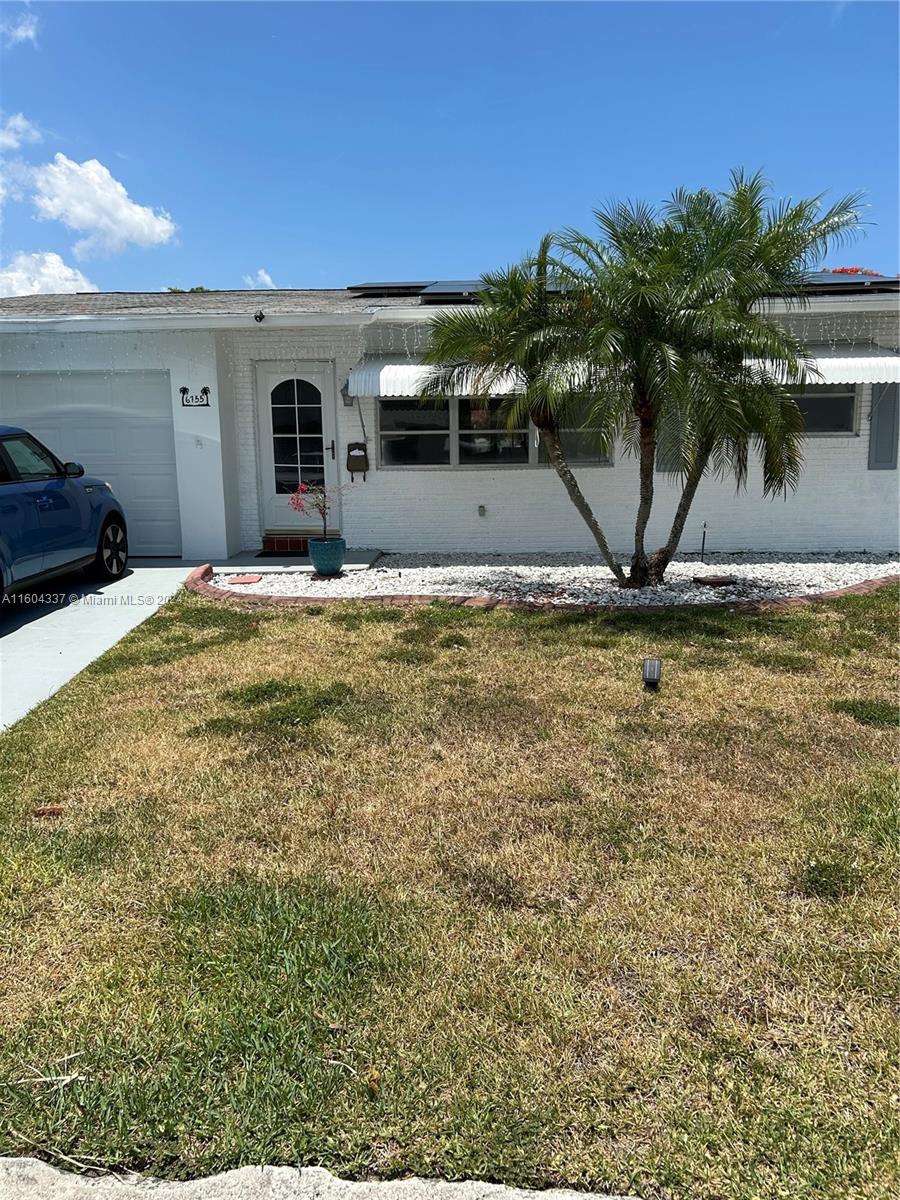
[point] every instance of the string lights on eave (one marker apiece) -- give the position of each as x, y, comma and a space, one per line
846, 331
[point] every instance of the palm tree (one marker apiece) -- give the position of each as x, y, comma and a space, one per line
657, 330
673, 310
521, 335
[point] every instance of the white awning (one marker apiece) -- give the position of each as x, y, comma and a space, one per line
405, 377
401, 377
863, 366
386, 377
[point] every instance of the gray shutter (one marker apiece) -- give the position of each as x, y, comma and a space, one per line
884, 421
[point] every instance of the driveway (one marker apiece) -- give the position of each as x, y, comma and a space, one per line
46, 641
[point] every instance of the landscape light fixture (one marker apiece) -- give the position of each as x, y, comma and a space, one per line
652, 674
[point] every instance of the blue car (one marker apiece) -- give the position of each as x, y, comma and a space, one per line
53, 517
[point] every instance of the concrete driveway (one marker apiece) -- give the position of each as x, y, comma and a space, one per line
46, 641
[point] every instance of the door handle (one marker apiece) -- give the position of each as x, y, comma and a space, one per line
43, 502
332, 447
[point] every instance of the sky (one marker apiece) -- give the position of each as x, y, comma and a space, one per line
148, 145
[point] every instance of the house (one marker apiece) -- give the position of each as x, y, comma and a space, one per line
204, 409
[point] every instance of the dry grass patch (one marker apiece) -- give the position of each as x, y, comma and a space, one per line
443, 891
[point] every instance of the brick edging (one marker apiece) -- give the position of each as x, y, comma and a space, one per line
198, 582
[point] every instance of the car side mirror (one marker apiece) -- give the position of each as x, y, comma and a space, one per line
73, 470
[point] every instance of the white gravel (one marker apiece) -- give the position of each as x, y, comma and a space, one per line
581, 578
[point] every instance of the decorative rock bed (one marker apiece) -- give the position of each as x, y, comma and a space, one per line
760, 580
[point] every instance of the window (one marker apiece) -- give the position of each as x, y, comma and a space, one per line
468, 432
30, 460
297, 441
580, 448
484, 439
412, 435
828, 407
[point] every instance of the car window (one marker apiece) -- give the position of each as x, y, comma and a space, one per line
30, 460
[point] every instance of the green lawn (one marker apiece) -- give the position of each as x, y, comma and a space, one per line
442, 891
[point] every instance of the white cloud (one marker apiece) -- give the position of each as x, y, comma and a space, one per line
43, 271
86, 197
17, 130
262, 279
15, 176
22, 28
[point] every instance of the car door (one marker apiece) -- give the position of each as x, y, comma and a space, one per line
21, 532
63, 509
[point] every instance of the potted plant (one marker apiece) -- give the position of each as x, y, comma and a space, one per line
325, 553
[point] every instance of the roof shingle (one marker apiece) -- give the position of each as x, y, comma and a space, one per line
174, 304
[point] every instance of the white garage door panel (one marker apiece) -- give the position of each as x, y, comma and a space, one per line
119, 425
157, 488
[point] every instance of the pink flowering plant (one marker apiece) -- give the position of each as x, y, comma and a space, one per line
316, 497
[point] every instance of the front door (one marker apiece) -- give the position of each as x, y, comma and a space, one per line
296, 439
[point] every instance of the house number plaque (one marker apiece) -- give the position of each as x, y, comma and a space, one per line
191, 399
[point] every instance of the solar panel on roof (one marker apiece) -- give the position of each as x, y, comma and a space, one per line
453, 287
382, 288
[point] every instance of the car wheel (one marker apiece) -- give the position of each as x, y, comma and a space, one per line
112, 551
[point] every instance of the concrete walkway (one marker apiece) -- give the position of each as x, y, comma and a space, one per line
29, 1179
45, 642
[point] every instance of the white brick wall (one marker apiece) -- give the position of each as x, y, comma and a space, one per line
840, 504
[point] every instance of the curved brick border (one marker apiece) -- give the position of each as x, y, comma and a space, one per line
198, 581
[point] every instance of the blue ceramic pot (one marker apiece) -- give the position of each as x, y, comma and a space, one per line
327, 554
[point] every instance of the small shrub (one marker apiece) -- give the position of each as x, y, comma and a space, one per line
869, 712
828, 878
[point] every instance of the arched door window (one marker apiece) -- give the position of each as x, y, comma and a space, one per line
297, 441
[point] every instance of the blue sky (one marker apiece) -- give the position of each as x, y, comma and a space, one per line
327, 144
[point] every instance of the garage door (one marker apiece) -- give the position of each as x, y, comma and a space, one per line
119, 425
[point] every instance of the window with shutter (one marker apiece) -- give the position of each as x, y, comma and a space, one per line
884, 420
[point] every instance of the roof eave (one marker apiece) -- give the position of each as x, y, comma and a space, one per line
402, 314
124, 323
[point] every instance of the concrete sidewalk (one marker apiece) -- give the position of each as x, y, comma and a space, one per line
29, 1179
45, 642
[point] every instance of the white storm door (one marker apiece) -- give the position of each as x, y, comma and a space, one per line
296, 422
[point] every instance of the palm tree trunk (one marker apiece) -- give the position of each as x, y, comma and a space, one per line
664, 555
564, 471
640, 573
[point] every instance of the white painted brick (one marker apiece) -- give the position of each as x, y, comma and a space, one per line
839, 504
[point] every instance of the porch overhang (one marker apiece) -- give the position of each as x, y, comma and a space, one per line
387, 377
860, 366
